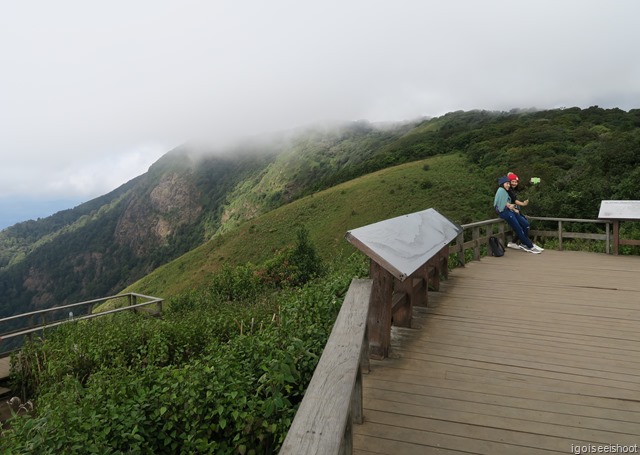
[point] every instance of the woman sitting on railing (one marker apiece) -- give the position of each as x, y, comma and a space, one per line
524, 222
505, 209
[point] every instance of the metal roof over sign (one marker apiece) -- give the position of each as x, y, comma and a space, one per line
403, 244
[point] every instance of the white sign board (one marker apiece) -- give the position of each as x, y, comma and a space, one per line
620, 210
403, 244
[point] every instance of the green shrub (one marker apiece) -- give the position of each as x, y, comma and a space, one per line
212, 376
293, 266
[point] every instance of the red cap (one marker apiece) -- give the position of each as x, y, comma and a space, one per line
512, 176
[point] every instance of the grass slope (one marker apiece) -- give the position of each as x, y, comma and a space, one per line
449, 184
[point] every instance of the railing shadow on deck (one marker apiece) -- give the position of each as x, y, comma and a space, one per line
333, 400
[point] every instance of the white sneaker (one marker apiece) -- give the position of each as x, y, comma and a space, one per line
539, 248
515, 246
530, 250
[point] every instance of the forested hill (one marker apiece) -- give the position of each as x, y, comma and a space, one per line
581, 155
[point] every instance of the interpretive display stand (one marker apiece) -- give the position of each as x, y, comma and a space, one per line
407, 254
618, 211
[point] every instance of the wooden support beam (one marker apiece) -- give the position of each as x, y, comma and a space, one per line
419, 292
423, 295
444, 261
434, 273
403, 303
379, 320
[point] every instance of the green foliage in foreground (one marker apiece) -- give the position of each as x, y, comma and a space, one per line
211, 376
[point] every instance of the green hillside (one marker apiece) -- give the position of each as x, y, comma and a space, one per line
437, 182
226, 366
196, 193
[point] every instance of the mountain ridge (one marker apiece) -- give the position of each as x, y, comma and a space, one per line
99, 247
187, 197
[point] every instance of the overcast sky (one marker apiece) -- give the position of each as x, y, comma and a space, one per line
92, 93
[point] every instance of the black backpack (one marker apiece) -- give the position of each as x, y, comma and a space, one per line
495, 246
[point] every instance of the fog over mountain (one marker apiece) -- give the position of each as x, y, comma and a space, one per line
92, 94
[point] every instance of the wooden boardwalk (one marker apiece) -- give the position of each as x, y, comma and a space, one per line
523, 354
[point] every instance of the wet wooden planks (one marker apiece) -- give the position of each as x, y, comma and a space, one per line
523, 354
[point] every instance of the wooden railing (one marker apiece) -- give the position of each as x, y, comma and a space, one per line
482, 230
35, 321
561, 233
333, 400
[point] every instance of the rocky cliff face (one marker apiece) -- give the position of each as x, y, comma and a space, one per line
151, 218
99, 247
102, 246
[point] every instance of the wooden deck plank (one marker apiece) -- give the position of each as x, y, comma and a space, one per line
481, 432
536, 361
525, 333
519, 354
442, 379
516, 398
457, 333
502, 414
435, 440
365, 444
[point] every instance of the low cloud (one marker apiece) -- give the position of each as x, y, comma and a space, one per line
92, 94
81, 178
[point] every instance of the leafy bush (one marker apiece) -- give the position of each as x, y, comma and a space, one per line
236, 283
212, 376
294, 266
426, 184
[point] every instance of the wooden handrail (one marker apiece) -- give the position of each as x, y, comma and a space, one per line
482, 230
333, 399
480, 233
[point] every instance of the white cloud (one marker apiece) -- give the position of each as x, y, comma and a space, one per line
79, 178
92, 93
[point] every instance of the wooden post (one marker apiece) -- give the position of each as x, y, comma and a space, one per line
379, 320
616, 236
444, 261
475, 233
365, 366
560, 235
434, 272
460, 244
403, 313
501, 233
356, 400
422, 289
346, 447
608, 244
